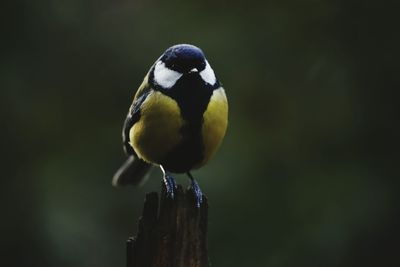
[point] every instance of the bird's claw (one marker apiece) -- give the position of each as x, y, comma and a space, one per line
170, 185
197, 193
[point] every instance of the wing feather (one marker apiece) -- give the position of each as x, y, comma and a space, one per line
134, 114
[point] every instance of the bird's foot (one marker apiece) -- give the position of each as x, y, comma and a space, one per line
170, 185
169, 182
198, 195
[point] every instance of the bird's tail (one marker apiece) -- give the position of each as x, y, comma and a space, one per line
132, 172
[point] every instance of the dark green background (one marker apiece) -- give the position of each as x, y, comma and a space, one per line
307, 175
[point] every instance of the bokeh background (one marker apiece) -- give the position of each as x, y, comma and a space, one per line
307, 175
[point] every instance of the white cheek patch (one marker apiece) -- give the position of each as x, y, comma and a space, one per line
164, 76
208, 74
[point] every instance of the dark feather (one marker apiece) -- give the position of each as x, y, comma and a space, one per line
132, 172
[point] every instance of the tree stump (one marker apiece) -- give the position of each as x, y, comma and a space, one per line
171, 232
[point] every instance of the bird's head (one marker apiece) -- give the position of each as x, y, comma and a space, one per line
179, 61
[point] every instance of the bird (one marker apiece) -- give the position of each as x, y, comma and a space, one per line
177, 120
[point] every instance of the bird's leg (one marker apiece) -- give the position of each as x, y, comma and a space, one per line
169, 182
197, 191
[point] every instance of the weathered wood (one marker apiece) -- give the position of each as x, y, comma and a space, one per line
171, 232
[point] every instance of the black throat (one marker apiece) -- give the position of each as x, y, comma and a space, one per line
192, 95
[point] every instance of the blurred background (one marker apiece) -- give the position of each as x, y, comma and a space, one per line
308, 172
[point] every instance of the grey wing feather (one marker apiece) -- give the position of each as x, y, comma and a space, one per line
134, 170
132, 117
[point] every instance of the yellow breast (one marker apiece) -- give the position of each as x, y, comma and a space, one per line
158, 130
215, 122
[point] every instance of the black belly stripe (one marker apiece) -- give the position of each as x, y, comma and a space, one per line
192, 95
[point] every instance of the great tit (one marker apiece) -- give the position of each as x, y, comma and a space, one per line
177, 120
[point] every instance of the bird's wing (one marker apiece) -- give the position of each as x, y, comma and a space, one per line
134, 114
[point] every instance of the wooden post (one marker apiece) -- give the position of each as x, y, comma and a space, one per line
172, 232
